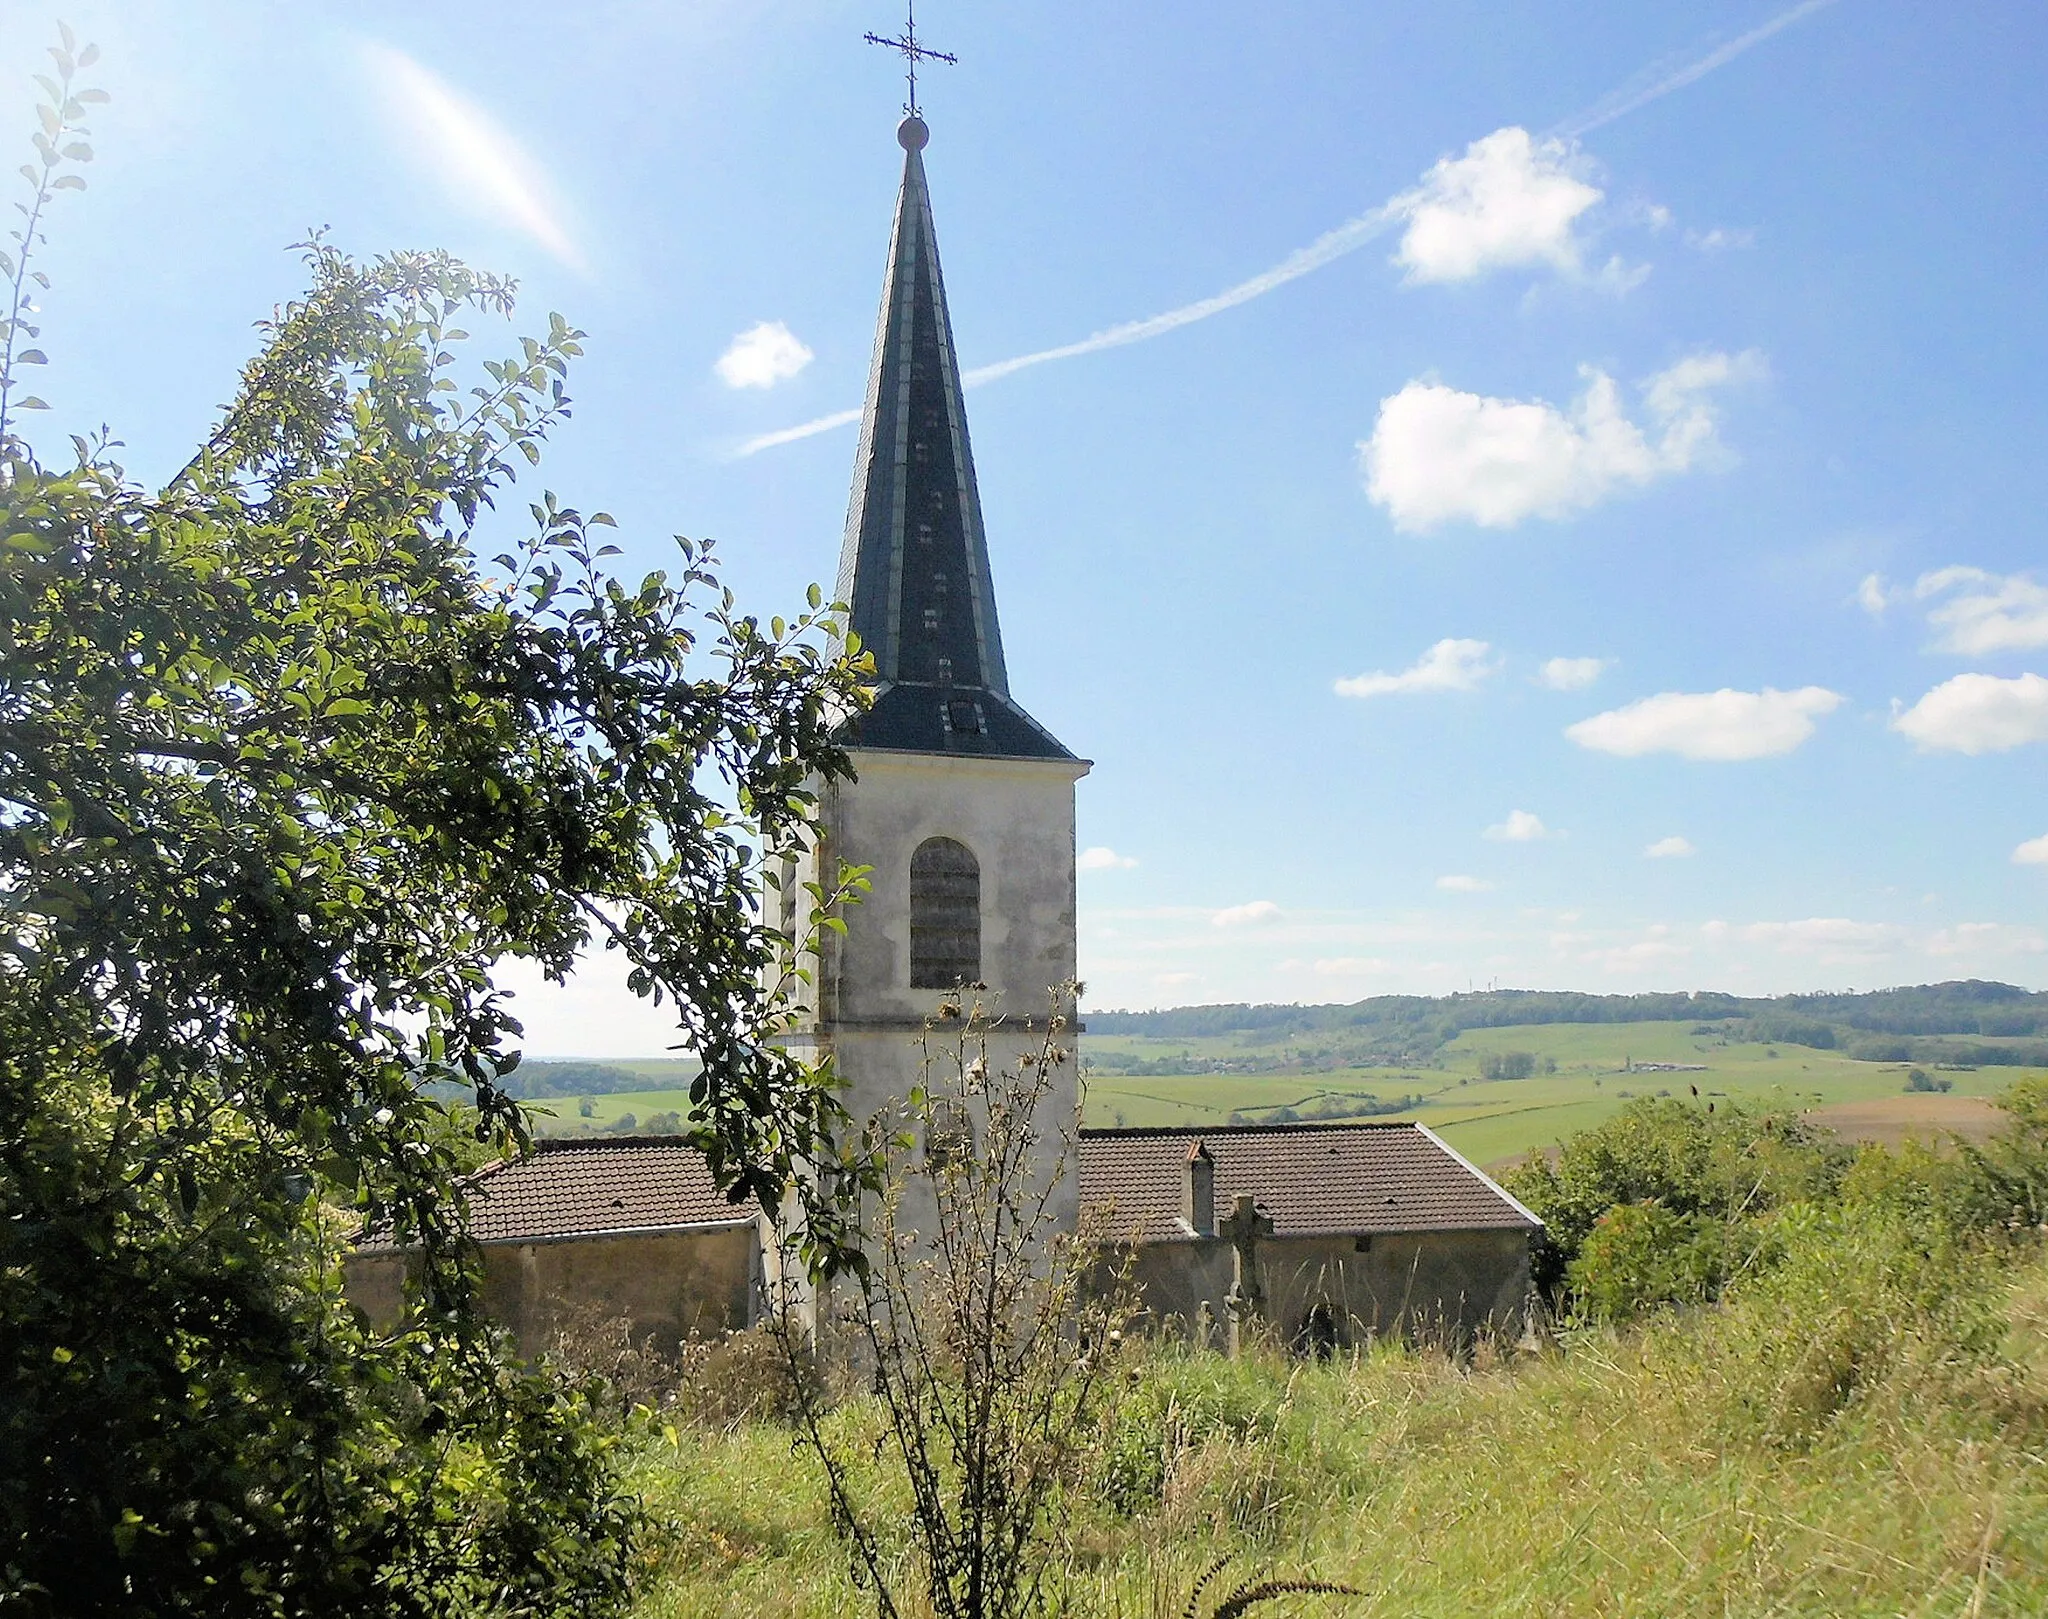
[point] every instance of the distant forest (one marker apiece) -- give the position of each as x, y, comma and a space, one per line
1925, 1023
540, 1077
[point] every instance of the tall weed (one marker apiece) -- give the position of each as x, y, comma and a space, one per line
1861, 1304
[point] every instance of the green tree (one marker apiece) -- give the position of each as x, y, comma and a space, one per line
284, 773
1641, 1255
1680, 1158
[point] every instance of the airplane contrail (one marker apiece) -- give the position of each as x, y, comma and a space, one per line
1346, 238
1622, 102
1331, 245
789, 435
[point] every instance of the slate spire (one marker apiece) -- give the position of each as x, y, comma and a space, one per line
914, 564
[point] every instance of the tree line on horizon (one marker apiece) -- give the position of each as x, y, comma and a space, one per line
1876, 1025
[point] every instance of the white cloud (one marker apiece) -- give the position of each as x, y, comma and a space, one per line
1572, 674
1237, 916
1718, 725
1450, 665
1977, 613
1830, 938
1720, 239
2034, 852
1520, 827
1350, 966
1979, 938
1884, 946
1104, 859
1673, 394
1173, 980
1985, 612
480, 166
1671, 848
762, 356
1437, 454
1653, 949
1327, 248
1509, 201
1978, 714
1458, 883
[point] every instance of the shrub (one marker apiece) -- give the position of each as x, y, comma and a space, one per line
741, 1377
1178, 1402
1862, 1299
1639, 1256
1933, 1190
1727, 1165
596, 1347
988, 1333
2012, 1166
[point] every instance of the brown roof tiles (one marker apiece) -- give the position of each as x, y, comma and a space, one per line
1311, 1180
581, 1188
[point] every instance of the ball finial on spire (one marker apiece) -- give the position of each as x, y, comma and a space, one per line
912, 134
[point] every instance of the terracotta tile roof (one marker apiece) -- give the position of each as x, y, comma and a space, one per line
1311, 1180
576, 1188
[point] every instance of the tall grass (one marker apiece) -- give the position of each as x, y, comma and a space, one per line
1862, 1429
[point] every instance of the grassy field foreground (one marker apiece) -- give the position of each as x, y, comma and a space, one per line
1862, 1430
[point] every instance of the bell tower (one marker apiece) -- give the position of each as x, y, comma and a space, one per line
963, 804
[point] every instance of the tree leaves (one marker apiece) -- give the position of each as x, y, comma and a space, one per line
57, 141
287, 775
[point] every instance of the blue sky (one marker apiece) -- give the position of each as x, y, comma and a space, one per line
1612, 560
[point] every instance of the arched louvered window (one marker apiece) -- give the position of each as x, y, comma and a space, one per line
945, 915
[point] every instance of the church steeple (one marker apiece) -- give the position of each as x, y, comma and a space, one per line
914, 565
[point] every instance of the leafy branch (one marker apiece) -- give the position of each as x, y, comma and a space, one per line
61, 144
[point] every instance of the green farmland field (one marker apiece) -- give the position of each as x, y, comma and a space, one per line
558, 1115
1488, 1120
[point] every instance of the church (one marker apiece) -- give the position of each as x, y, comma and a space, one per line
962, 806
962, 803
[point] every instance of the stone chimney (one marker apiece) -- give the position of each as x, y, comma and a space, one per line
1198, 1192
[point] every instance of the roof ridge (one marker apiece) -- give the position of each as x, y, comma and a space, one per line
1307, 1127
589, 1143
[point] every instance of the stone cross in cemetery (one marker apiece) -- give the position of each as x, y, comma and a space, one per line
1245, 1302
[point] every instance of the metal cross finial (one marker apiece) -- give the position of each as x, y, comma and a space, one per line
913, 53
